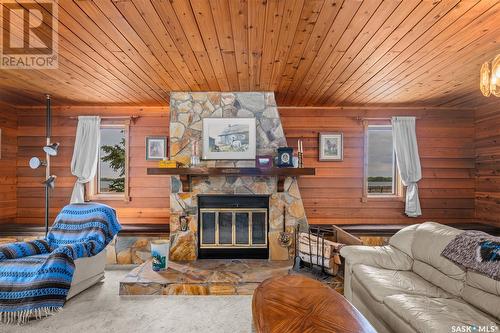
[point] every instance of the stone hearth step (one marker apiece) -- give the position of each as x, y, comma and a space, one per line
203, 277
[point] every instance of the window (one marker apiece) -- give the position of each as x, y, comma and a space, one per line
381, 176
111, 181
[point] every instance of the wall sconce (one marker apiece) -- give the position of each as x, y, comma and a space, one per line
489, 79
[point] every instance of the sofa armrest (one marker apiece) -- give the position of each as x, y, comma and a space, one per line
387, 257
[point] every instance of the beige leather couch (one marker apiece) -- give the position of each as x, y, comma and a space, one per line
407, 286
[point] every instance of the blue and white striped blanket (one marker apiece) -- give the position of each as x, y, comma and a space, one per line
35, 276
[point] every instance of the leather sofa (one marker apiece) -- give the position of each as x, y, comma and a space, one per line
407, 286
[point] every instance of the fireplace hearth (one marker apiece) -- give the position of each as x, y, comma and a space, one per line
233, 226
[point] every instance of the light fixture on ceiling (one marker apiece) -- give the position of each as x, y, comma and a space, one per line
495, 76
489, 79
51, 149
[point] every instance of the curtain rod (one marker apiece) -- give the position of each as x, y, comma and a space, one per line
381, 118
112, 117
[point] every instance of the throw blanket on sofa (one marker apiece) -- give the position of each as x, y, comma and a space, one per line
477, 251
35, 276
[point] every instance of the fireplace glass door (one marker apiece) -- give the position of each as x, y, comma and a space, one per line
233, 228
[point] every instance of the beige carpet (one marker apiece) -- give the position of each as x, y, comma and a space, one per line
100, 309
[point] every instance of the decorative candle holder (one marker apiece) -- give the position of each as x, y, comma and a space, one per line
195, 157
301, 159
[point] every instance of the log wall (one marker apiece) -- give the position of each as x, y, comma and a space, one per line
8, 181
446, 143
487, 142
446, 146
149, 195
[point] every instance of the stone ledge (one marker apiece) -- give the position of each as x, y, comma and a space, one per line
203, 277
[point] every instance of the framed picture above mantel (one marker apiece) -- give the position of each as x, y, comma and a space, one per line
229, 138
331, 146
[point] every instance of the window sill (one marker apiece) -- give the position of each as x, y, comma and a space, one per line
383, 198
109, 197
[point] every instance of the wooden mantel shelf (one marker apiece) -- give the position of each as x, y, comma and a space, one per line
185, 174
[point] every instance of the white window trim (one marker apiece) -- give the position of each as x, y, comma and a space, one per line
398, 185
92, 188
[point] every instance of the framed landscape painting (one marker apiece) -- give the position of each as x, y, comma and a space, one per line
331, 146
156, 148
229, 139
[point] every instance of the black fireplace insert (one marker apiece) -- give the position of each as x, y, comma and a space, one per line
233, 226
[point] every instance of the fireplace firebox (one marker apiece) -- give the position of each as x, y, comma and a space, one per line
233, 226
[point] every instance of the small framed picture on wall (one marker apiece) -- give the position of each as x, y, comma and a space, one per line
156, 148
331, 146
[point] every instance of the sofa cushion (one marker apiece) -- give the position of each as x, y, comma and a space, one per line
430, 240
381, 282
375, 312
403, 239
483, 282
431, 315
482, 292
438, 278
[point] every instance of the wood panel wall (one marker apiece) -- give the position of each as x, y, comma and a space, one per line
149, 194
8, 181
488, 164
446, 143
446, 146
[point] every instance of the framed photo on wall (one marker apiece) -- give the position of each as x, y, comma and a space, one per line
229, 139
331, 146
156, 148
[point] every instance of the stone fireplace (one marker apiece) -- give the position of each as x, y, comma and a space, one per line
284, 208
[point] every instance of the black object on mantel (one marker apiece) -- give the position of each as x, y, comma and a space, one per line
185, 174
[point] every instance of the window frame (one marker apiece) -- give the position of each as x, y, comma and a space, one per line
92, 189
397, 184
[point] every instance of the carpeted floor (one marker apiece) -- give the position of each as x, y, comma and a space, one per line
100, 309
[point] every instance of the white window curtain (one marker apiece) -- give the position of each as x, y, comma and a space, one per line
406, 148
85, 154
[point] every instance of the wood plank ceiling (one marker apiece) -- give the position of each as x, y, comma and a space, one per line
310, 52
